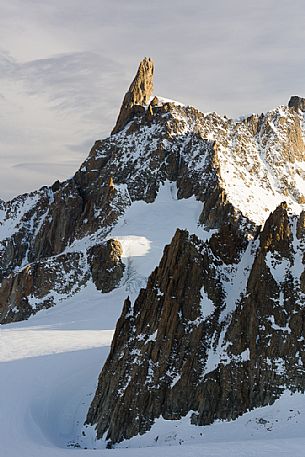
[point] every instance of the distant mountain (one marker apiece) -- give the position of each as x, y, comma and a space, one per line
218, 327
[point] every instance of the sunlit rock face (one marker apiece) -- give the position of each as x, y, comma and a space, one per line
137, 96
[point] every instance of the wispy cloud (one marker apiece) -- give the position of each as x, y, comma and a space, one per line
69, 81
53, 108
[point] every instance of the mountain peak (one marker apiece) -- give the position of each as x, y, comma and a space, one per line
138, 94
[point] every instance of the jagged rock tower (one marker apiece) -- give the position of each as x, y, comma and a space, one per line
138, 94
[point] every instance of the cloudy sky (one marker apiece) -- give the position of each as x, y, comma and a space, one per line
66, 64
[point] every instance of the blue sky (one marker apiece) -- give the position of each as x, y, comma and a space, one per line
65, 66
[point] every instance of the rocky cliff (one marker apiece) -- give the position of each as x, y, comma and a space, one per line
214, 334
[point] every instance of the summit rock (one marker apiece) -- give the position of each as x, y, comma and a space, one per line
297, 103
138, 94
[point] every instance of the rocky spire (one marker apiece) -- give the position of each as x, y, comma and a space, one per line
138, 94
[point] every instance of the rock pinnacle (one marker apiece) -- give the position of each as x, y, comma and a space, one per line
138, 94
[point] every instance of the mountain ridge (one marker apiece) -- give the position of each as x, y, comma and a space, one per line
231, 281
163, 141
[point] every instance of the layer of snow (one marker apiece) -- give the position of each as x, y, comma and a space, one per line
133, 246
278, 269
255, 168
48, 372
46, 389
255, 173
168, 100
146, 228
34, 342
207, 306
284, 419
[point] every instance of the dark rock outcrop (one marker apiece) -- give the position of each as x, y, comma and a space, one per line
106, 265
296, 102
34, 287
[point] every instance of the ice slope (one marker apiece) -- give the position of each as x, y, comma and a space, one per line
49, 365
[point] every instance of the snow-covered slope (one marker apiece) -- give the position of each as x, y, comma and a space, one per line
50, 363
260, 159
